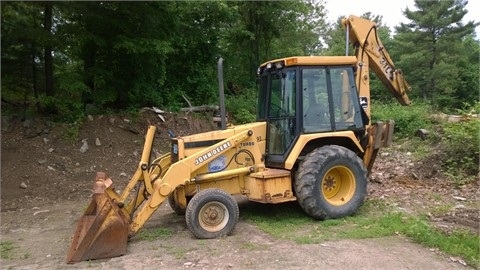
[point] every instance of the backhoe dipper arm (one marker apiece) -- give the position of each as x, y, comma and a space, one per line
369, 49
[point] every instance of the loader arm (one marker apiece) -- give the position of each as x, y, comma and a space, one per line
110, 218
181, 173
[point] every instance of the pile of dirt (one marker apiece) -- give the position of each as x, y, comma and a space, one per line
420, 187
41, 165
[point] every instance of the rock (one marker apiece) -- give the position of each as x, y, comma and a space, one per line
458, 198
50, 150
123, 174
90, 117
422, 133
203, 261
27, 124
97, 142
23, 185
7, 123
84, 147
40, 162
40, 211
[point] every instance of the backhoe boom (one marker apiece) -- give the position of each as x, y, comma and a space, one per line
370, 51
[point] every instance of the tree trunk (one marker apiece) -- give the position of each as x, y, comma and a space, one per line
34, 72
89, 53
48, 50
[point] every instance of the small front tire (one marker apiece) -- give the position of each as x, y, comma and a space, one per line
212, 213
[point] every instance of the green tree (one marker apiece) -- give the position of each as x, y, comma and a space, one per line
431, 49
264, 30
131, 54
191, 66
20, 24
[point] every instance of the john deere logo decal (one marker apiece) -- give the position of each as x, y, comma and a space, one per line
199, 160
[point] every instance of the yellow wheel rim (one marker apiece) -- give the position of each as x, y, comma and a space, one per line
338, 185
213, 216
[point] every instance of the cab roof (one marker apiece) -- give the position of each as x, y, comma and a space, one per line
314, 60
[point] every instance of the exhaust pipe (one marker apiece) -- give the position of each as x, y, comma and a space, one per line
223, 121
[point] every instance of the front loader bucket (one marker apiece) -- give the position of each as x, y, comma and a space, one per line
102, 231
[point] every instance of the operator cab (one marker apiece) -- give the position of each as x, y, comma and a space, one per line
306, 95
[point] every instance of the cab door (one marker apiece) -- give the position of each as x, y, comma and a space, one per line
281, 115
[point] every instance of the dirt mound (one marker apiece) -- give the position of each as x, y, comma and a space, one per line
40, 165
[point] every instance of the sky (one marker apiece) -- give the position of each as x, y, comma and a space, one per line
391, 10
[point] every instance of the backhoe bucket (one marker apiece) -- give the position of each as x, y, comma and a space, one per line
102, 231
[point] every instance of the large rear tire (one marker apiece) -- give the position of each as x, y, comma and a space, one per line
212, 213
331, 182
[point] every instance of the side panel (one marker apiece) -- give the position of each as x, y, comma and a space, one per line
270, 186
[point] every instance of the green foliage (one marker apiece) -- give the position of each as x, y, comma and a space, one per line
407, 119
69, 112
457, 243
154, 234
6, 249
61, 110
461, 141
117, 55
242, 107
435, 54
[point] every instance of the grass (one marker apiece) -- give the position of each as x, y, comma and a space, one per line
375, 219
154, 234
253, 246
6, 250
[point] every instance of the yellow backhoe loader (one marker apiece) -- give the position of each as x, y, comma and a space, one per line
313, 142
